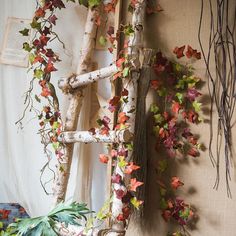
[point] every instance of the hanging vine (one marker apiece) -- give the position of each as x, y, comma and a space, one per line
177, 107
220, 60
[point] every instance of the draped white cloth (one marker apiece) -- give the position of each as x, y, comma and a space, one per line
21, 153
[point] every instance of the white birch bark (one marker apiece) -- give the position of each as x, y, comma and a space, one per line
135, 45
88, 78
63, 169
114, 136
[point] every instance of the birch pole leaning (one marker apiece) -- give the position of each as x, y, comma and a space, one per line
64, 165
131, 84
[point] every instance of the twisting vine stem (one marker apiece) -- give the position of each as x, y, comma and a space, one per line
222, 79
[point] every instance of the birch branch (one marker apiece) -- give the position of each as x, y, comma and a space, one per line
131, 84
114, 136
64, 166
81, 80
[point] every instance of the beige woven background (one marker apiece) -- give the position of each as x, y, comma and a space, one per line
178, 25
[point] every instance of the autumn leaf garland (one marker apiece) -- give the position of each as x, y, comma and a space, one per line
177, 90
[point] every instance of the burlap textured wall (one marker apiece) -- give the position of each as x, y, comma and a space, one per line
178, 25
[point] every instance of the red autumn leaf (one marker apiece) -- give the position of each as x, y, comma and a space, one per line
155, 84
170, 204
103, 158
117, 75
120, 62
36, 43
58, 4
92, 130
166, 214
49, 67
45, 92
134, 184
193, 152
130, 168
120, 217
156, 9
53, 19
175, 107
193, 53
126, 212
38, 59
175, 182
119, 193
127, 197
49, 53
104, 131
46, 30
114, 101
179, 51
4, 214
122, 118
43, 40
116, 179
192, 116
39, 12
125, 92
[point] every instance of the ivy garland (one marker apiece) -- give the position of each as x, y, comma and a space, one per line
177, 107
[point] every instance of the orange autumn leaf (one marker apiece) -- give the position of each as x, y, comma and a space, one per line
175, 182
103, 158
122, 117
49, 67
130, 168
45, 92
134, 184
175, 107
120, 61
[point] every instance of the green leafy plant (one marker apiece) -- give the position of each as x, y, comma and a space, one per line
68, 214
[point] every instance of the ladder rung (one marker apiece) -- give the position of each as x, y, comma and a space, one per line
113, 136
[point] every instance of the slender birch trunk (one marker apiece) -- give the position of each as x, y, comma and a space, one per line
63, 168
131, 84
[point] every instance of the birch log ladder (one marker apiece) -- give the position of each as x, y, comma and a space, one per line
74, 86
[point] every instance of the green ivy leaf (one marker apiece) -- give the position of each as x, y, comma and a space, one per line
162, 92
197, 106
38, 73
94, 3
35, 24
163, 204
102, 40
154, 108
27, 47
156, 130
136, 203
158, 118
121, 162
162, 166
185, 214
31, 58
125, 72
55, 145
180, 97
24, 32
128, 30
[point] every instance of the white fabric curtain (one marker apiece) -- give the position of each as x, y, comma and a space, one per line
21, 153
